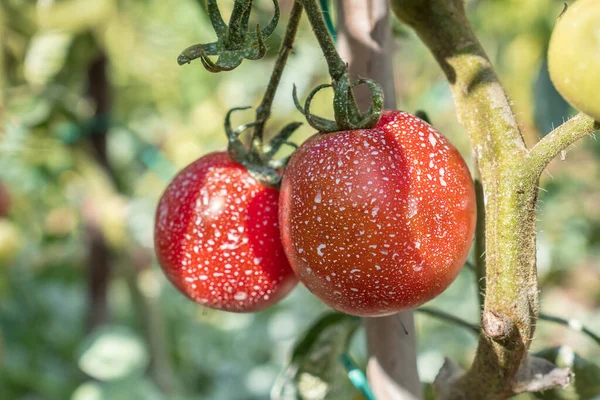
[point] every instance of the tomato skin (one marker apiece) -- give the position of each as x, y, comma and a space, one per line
217, 237
377, 221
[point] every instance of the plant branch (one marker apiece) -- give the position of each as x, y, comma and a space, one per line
560, 139
337, 66
574, 324
479, 244
264, 109
510, 193
473, 328
481, 102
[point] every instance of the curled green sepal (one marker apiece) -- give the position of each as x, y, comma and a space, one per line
259, 164
281, 139
235, 147
319, 123
347, 116
234, 42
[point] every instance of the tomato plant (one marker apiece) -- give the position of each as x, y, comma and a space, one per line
574, 56
217, 237
378, 220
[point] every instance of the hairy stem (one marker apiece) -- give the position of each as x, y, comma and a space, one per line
264, 109
336, 65
509, 176
479, 245
509, 192
558, 140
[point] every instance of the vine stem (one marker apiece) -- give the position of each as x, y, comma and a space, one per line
474, 328
337, 66
559, 139
510, 177
263, 111
479, 244
574, 324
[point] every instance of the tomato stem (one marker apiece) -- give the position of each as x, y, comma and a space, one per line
263, 111
235, 42
346, 110
479, 245
337, 66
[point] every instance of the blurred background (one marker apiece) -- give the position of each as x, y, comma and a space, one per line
97, 117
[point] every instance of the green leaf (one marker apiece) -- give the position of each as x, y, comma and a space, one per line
586, 385
113, 352
315, 371
551, 110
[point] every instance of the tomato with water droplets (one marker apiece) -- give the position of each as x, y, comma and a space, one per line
380, 220
217, 237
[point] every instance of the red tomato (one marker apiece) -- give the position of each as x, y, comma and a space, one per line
380, 220
217, 237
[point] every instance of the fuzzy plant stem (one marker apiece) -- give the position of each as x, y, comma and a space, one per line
337, 66
479, 244
559, 139
263, 111
509, 175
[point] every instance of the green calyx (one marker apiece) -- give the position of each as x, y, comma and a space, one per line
258, 160
347, 114
235, 42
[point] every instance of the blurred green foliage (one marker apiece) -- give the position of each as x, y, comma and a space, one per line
155, 344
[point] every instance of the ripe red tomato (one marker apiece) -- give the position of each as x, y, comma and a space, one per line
380, 220
217, 237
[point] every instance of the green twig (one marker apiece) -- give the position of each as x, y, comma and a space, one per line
337, 66
473, 328
263, 111
338, 70
328, 20
558, 140
573, 324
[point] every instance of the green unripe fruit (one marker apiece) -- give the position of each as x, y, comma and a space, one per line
574, 56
